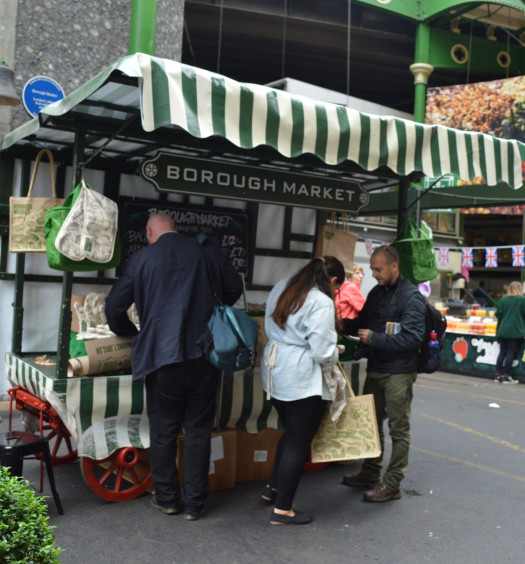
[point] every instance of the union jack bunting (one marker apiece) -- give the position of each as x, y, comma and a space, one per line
369, 249
518, 256
491, 257
467, 257
443, 256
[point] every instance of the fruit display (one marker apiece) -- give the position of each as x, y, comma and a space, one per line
479, 322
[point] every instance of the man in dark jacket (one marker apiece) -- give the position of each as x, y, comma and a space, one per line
169, 284
391, 326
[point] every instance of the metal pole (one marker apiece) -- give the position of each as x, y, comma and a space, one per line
143, 27
421, 69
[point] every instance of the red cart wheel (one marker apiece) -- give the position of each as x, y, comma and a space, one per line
60, 438
120, 477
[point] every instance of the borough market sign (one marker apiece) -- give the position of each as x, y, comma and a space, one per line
219, 179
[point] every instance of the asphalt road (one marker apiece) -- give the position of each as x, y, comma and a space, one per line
462, 500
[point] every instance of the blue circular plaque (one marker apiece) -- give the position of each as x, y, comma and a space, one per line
39, 92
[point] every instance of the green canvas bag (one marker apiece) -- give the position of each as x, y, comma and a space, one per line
55, 218
417, 261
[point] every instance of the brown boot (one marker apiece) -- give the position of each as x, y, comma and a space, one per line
381, 493
358, 481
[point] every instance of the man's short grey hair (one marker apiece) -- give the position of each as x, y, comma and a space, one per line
390, 253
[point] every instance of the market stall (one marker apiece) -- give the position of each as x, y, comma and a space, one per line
189, 131
471, 347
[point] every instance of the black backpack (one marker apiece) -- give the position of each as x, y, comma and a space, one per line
427, 362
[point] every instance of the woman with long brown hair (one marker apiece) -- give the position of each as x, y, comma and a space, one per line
301, 327
510, 331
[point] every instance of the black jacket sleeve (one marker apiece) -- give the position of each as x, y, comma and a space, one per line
228, 282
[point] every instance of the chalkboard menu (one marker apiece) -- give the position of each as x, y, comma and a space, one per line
229, 229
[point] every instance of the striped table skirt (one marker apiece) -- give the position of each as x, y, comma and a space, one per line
105, 413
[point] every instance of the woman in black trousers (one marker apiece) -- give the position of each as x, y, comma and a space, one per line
302, 338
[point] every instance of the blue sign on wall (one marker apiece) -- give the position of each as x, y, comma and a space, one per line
39, 92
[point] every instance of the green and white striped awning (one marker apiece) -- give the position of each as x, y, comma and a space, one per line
206, 104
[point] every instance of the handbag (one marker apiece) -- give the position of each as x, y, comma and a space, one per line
353, 435
81, 235
27, 215
417, 261
232, 338
339, 243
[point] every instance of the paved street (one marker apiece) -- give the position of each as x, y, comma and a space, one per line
462, 500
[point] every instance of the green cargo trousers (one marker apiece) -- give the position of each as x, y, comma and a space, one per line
392, 398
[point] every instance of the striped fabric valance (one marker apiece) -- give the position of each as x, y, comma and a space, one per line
207, 104
248, 115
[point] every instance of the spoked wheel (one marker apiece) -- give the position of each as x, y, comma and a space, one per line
62, 450
61, 446
122, 476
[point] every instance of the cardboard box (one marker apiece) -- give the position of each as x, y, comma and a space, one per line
222, 459
256, 454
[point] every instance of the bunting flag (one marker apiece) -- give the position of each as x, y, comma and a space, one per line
443, 256
369, 249
467, 257
491, 257
518, 256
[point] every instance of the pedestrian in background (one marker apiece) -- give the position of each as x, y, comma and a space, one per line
510, 331
301, 327
390, 327
349, 299
169, 284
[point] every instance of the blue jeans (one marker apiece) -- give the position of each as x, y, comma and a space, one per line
392, 400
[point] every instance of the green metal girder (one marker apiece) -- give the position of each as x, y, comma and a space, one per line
482, 56
425, 10
449, 197
435, 7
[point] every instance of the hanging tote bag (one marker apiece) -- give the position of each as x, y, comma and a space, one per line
81, 235
340, 243
417, 261
27, 215
353, 435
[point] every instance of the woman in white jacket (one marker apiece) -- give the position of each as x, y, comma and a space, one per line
301, 327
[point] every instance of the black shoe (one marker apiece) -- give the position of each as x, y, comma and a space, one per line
269, 495
509, 380
170, 507
297, 519
193, 515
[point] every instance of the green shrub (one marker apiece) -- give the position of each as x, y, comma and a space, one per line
25, 536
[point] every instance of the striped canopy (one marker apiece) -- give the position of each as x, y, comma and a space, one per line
207, 104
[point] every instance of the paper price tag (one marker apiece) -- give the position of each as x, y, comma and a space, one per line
260, 456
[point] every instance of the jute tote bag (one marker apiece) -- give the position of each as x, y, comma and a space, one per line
340, 243
27, 215
353, 436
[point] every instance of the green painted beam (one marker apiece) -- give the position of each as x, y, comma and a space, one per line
449, 197
420, 11
435, 7
482, 55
